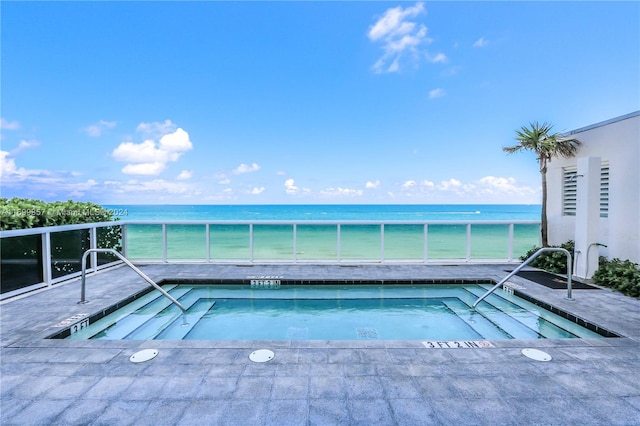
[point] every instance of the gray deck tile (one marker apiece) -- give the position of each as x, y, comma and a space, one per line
252, 386
412, 412
216, 388
204, 412
399, 387
121, 412
296, 387
45, 410
109, 387
247, 412
370, 411
364, 387
328, 412
82, 411
290, 412
327, 387
163, 412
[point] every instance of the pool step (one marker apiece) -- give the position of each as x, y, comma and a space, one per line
133, 314
533, 317
517, 329
485, 328
161, 319
180, 327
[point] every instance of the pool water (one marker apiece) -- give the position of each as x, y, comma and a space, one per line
318, 312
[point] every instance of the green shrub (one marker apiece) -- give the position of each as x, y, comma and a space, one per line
623, 276
23, 213
555, 262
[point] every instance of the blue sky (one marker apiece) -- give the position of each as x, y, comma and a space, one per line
301, 102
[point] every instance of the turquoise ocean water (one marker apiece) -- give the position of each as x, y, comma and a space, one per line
320, 242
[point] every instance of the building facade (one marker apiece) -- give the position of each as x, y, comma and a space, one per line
594, 197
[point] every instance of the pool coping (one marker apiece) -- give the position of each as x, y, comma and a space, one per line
105, 311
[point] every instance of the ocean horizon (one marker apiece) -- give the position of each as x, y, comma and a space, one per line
320, 242
382, 212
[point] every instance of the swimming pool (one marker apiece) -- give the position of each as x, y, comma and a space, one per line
331, 312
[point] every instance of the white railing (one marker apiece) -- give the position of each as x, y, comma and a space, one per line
278, 241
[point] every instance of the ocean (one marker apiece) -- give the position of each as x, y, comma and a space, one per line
320, 242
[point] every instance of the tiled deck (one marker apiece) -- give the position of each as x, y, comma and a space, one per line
588, 382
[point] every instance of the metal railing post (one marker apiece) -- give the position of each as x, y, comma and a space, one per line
83, 299
525, 263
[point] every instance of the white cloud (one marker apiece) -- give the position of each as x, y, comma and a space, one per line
156, 185
245, 168
437, 93
185, 174
24, 145
408, 184
281, 173
439, 58
257, 191
156, 129
176, 142
149, 158
399, 37
501, 185
291, 188
372, 185
97, 129
7, 165
225, 181
145, 169
481, 42
341, 192
9, 125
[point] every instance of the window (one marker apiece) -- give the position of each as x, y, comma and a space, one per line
570, 190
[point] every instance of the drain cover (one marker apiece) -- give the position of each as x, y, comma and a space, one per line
261, 355
536, 354
144, 355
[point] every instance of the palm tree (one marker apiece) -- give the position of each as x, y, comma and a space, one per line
539, 139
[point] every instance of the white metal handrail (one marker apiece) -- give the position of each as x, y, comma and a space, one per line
525, 263
131, 265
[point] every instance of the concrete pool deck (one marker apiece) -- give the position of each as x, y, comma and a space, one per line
44, 381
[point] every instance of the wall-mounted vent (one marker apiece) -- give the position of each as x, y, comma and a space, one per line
604, 189
570, 189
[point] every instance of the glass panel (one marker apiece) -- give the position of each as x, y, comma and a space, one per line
404, 242
273, 242
360, 242
317, 242
21, 262
67, 248
109, 237
186, 242
447, 241
489, 241
144, 241
525, 237
229, 241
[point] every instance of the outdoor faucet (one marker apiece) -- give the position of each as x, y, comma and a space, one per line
586, 272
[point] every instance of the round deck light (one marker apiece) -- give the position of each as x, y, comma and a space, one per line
144, 355
261, 355
536, 354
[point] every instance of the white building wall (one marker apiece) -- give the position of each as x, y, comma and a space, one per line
618, 142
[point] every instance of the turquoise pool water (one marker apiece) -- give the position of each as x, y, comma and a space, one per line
332, 312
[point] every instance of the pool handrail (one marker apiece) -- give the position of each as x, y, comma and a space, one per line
128, 263
525, 263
